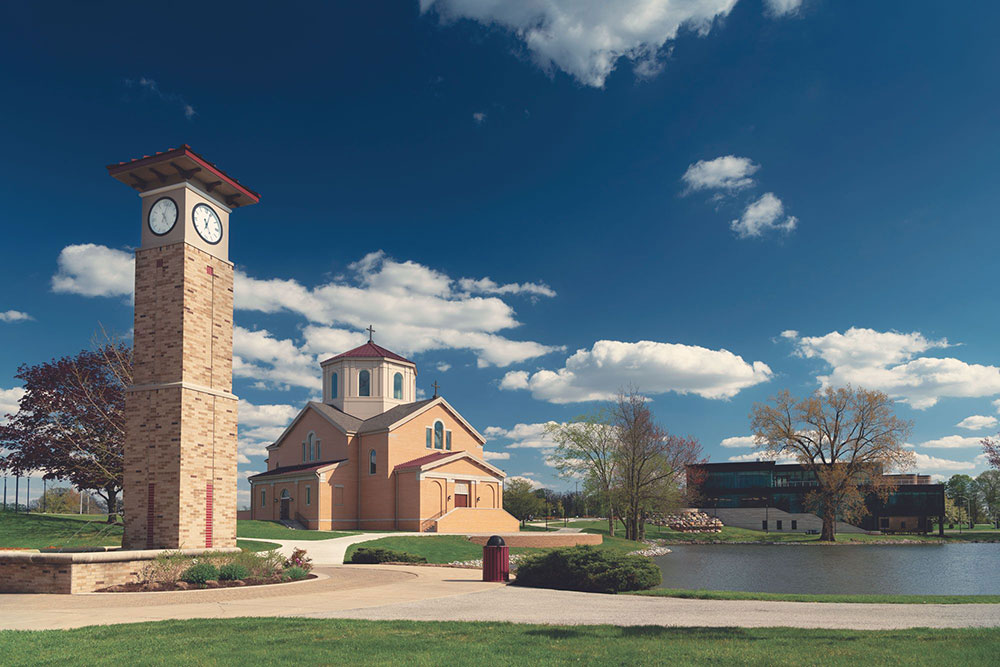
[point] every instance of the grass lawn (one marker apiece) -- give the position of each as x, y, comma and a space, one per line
272, 530
252, 545
798, 597
732, 534
334, 641
36, 531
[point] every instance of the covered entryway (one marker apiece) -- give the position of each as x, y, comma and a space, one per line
286, 503
461, 494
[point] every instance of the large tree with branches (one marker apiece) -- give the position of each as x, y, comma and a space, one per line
849, 438
70, 422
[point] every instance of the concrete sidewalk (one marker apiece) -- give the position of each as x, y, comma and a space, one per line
330, 552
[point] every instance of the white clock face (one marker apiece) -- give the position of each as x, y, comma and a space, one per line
206, 223
162, 216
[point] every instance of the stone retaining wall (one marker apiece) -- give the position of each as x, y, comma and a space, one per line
28, 572
542, 540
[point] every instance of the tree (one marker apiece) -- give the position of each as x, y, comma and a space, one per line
650, 462
520, 500
991, 447
58, 500
70, 422
954, 513
988, 486
846, 437
963, 491
585, 447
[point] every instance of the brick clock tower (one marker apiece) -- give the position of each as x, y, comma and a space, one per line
180, 450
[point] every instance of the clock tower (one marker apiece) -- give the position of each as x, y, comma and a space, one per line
180, 449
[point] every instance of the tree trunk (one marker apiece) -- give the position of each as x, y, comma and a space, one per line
112, 503
611, 517
829, 526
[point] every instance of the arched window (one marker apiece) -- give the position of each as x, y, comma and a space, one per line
438, 435
397, 385
284, 495
333, 386
312, 449
364, 383
371, 462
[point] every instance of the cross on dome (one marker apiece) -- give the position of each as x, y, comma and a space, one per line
436, 387
371, 332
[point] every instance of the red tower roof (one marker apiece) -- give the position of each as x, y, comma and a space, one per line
370, 351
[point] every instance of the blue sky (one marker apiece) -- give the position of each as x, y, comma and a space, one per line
537, 202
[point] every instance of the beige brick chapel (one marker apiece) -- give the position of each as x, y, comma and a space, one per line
370, 456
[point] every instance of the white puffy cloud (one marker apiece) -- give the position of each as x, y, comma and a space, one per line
763, 215
489, 286
14, 316
523, 436
656, 368
952, 442
443, 367
739, 441
586, 38
782, 7
274, 362
977, 423
534, 483
260, 425
94, 270
928, 464
9, 399
496, 456
479, 117
887, 361
723, 173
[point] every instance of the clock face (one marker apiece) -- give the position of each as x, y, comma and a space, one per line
207, 223
162, 216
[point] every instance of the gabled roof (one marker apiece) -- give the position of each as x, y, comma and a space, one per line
436, 459
344, 422
370, 351
391, 416
302, 468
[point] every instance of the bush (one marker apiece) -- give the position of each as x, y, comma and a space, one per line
299, 559
295, 573
584, 568
200, 573
233, 572
370, 555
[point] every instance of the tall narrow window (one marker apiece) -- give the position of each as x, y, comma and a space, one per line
312, 453
430, 437
304, 452
318, 457
333, 386
447, 444
364, 383
397, 385
263, 498
309, 495
371, 462
438, 435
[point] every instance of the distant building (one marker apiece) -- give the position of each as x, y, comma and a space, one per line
763, 495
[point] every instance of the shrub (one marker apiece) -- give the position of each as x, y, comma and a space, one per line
200, 573
294, 573
299, 559
584, 568
232, 572
381, 555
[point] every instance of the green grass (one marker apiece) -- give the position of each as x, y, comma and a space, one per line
732, 534
272, 530
334, 641
535, 529
37, 531
253, 545
799, 597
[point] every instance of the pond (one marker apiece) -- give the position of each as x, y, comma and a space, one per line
949, 569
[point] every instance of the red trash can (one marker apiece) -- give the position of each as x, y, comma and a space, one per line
496, 560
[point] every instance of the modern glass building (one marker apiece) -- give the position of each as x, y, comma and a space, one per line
740, 491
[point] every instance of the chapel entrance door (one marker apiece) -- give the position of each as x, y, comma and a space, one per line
286, 503
461, 495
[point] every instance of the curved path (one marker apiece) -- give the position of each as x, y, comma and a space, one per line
330, 552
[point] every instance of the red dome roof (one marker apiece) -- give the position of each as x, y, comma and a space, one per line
371, 351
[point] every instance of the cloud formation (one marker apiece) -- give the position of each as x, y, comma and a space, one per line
739, 441
587, 38
523, 436
952, 442
150, 87
94, 270
723, 173
9, 399
763, 215
14, 316
887, 361
977, 423
932, 464
655, 368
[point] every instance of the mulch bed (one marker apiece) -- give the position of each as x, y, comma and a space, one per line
159, 586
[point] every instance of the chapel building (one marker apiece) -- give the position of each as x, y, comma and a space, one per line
372, 457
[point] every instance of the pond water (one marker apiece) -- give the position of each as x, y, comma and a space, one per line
948, 569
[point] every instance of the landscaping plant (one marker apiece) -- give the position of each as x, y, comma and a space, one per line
233, 572
369, 555
294, 574
584, 568
200, 573
299, 559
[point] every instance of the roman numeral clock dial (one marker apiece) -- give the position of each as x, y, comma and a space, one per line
162, 216
206, 223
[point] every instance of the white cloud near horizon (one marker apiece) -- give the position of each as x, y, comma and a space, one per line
587, 38
763, 456
496, 456
739, 441
523, 436
763, 215
952, 442
15, 316
933, 464
655, 368
727, 172
534, 483
9, 399
977, 423
888, 361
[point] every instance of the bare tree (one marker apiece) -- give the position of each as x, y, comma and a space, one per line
847, 437
586, 447
650, 463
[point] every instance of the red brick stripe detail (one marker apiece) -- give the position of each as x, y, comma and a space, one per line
150, 496
208, 515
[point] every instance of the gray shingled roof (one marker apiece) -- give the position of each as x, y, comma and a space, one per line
346, 421
390, 417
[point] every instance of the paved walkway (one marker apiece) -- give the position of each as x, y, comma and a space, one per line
435, 593
331, 552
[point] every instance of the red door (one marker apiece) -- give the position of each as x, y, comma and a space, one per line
461, 500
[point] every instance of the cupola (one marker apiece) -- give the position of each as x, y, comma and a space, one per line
368, 380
